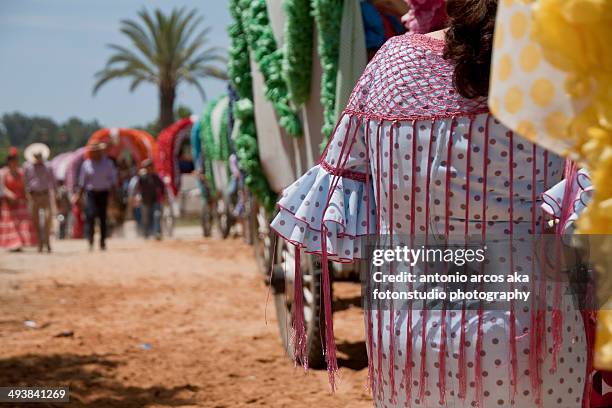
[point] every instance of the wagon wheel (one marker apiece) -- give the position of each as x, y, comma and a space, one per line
248, 219
167, 220
224, 216
206, 219
282, 286
263, 239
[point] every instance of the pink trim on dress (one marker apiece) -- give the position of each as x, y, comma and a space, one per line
339, 172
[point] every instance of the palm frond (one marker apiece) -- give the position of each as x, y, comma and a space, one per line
123, 55
152, 27
165, 49
140, 39
105, 75
136, 82
211, 71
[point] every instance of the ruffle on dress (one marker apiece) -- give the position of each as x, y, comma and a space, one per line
304, 209
580, 195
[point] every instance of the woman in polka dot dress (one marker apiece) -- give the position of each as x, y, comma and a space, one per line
416, 152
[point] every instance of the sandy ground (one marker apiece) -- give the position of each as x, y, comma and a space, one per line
178, 323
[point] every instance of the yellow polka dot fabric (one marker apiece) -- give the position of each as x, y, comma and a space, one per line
567, 108
527, 93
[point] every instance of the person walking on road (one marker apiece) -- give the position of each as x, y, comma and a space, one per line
97, 181
16, 228
40, 185
152, 190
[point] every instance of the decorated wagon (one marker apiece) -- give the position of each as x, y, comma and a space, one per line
59, 165
172, 160
197, 155
136, 143
215, 158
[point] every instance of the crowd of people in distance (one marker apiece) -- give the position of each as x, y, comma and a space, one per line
30, 194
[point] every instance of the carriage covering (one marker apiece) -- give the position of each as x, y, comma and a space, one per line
59, 165
169, 143
211, 145
139, 143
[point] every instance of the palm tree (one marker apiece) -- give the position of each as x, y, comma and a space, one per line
168, 50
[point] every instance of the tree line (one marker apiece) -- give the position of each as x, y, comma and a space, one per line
19, 130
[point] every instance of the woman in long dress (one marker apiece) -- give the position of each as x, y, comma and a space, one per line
16, 227
417, 153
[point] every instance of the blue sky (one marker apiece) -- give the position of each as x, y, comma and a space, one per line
50, 50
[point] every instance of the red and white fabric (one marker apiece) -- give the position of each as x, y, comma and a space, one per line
16, 227
411, 157
169, 144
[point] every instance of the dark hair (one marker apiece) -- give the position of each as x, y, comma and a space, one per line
10, 158
468, 44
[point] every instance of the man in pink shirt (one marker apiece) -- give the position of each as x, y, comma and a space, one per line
39, 185
97, 181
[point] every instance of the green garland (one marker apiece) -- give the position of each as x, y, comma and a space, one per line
239, 68
328, 18
213, 149
297, 50
239, 62
222, 151
251, 31
247, 151
208, 144
269, 59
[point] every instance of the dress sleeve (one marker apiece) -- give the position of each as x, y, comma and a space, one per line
565, 202
334, 196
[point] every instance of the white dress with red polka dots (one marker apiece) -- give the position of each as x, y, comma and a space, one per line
409, 157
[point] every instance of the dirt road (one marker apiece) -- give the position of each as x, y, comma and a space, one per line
177, 323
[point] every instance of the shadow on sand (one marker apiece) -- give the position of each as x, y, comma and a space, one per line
91, 379
341, 304
357, 357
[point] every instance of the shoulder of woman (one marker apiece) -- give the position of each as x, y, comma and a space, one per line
397, 83
405, 44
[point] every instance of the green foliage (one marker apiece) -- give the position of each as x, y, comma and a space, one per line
153, 128
223, 146
208, 144
297, 50
183, 111
166, 50
328, 17
239, 63
269, 57
214, 147
239, 68
19, 130
248, 155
